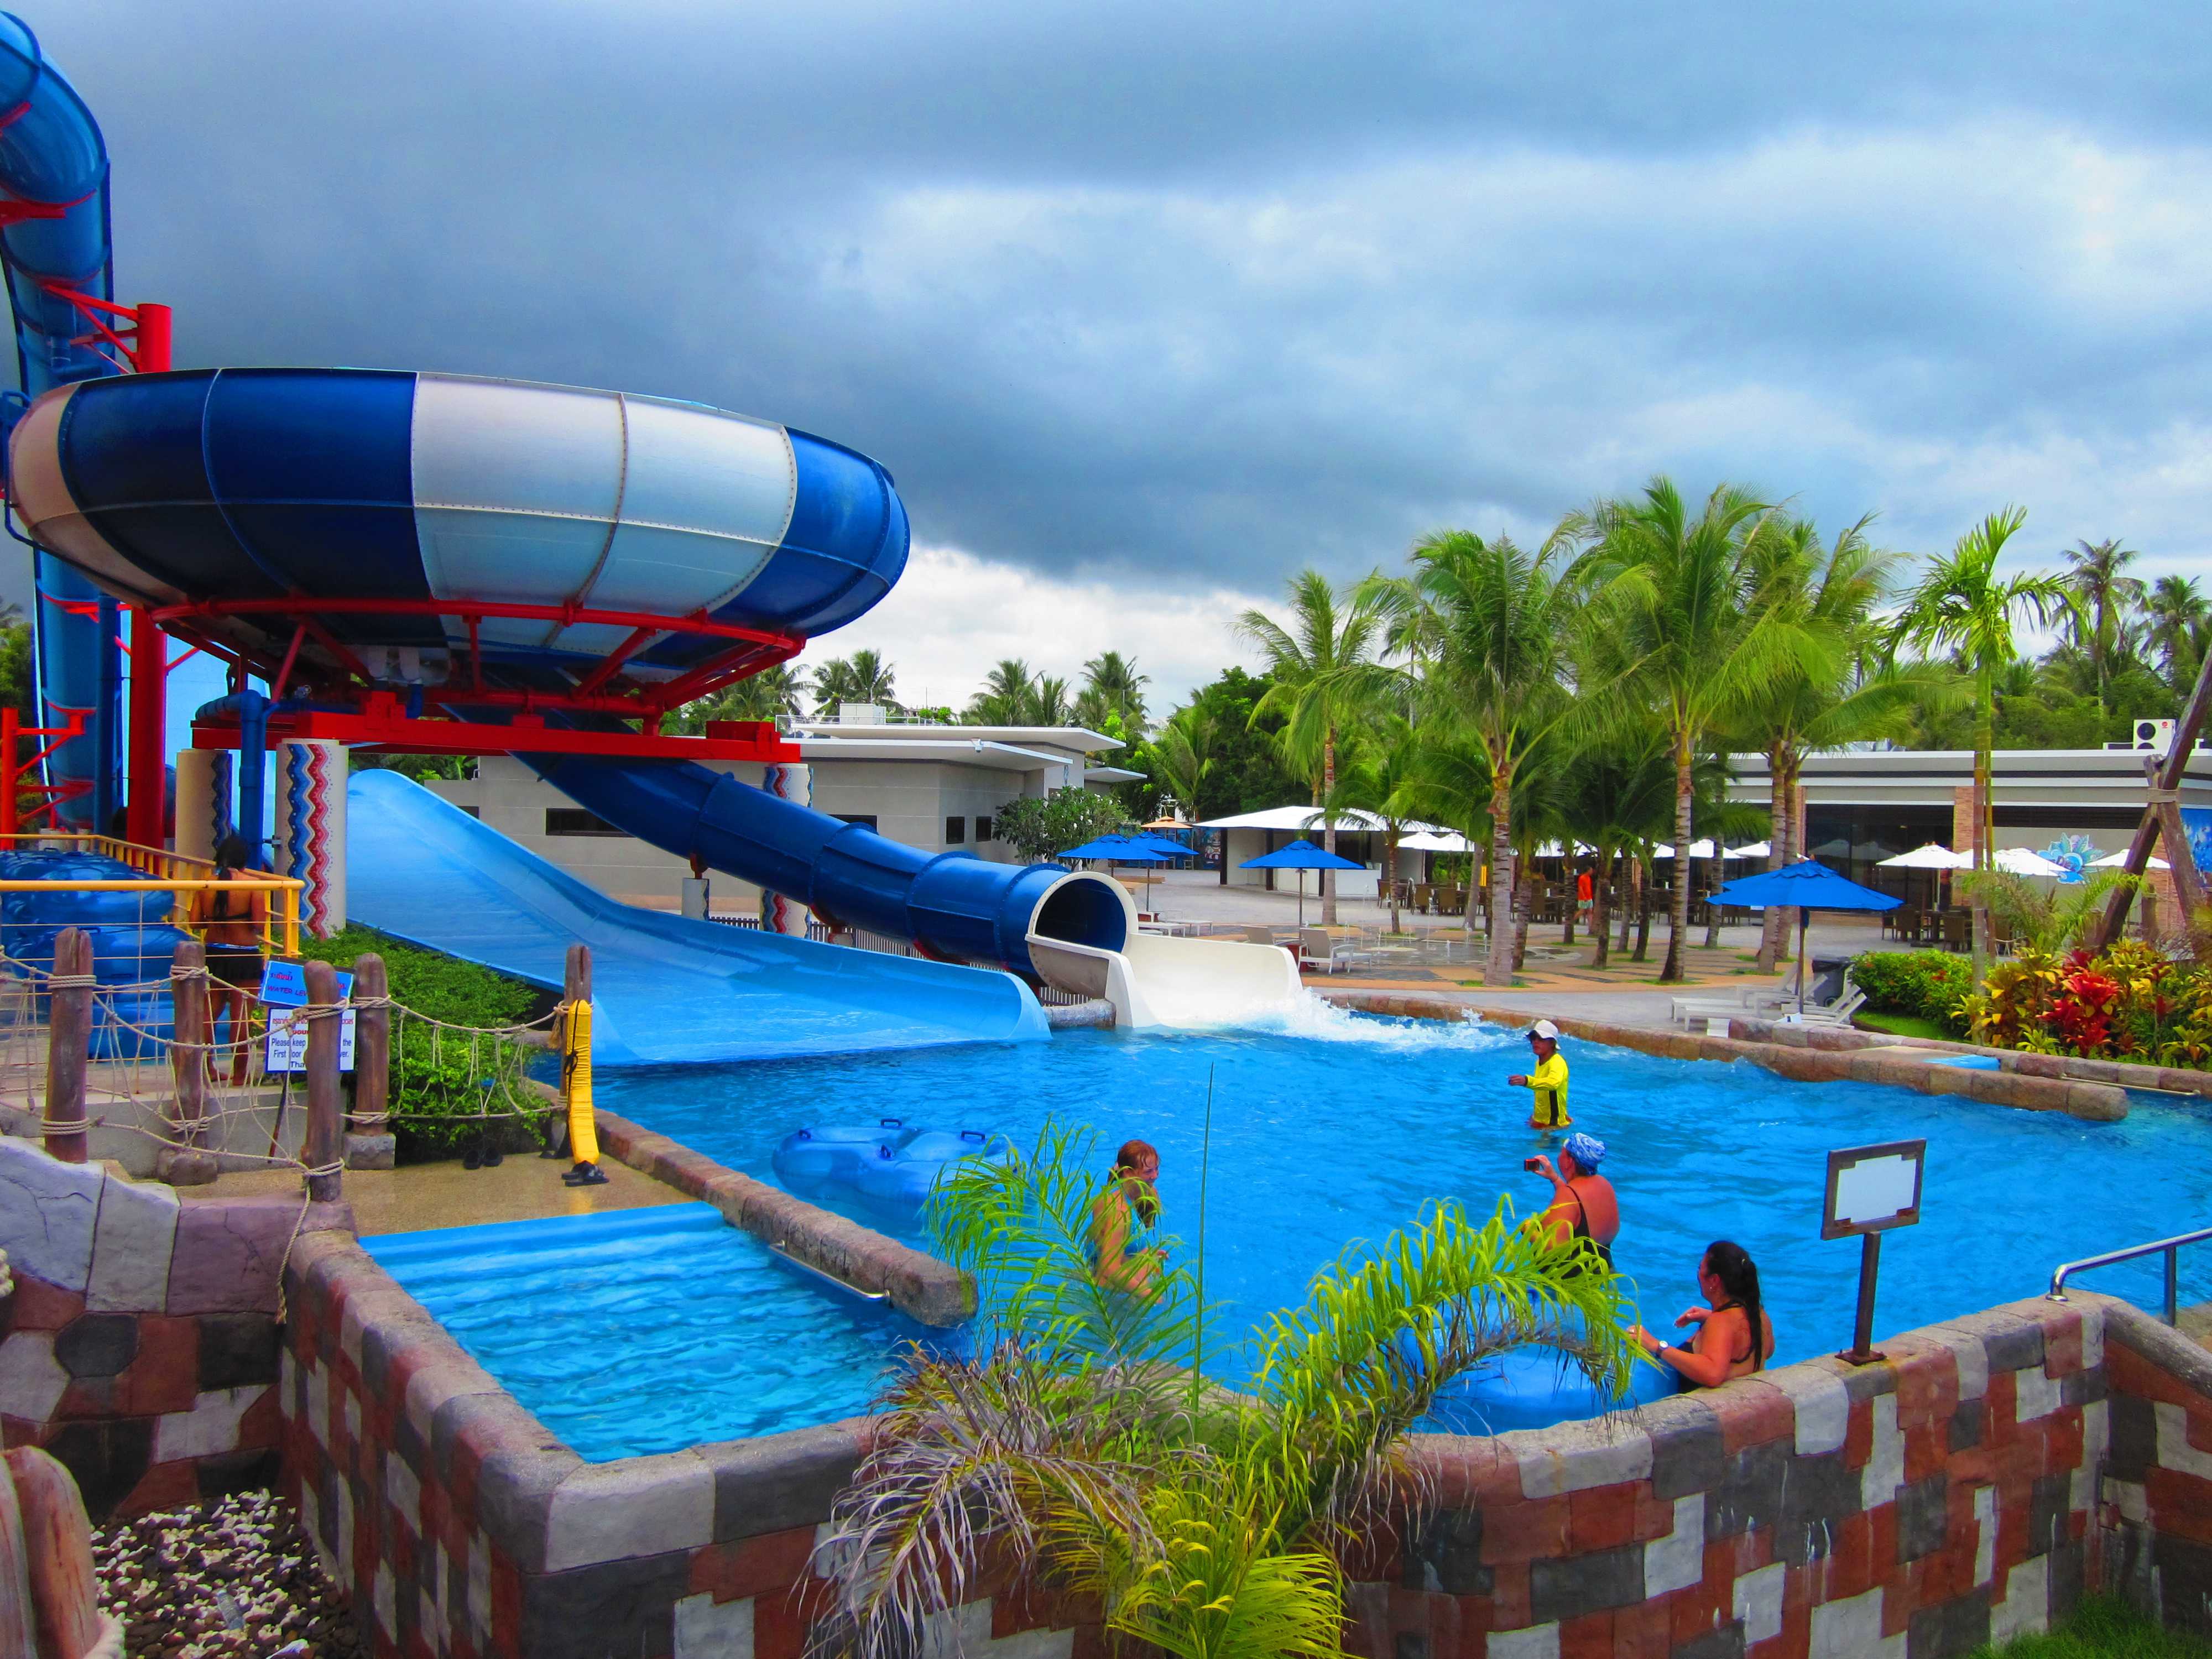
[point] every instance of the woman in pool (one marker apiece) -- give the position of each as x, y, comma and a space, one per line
1123, 1216
1723, 1348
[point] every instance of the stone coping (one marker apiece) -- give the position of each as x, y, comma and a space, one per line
2101, 1102
919, 1285
538, 1501
2124, 1074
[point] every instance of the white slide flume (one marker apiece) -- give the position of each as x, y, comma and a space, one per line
1184, 983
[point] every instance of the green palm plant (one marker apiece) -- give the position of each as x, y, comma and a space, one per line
1181, 756
1323, 678
863, 678
1621, 799
1488, 625
1008, 693
1680, 596
1962, 605
776, 693
1047, 702
1114, 679
2046, 917
2098, 625
1379, 779
2179, 619
1081, 1445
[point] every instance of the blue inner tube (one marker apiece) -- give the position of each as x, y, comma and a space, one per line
893, 1164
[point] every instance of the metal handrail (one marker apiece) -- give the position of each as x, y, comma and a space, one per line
2172, 1247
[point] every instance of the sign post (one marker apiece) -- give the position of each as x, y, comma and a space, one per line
1871, 1190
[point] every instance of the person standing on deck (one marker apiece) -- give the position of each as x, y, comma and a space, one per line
1547, 1082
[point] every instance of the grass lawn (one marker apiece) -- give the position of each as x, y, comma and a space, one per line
1910, 1025
2105, 1628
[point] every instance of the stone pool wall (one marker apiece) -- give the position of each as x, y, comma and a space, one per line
2099, 1102
1972, 1487
140, 1347
458, 1525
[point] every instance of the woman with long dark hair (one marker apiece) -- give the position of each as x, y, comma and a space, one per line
1724, 1346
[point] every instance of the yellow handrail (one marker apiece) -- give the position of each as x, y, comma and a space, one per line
280, 929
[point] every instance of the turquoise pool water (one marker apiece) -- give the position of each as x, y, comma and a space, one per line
1340, 1130
647, 1330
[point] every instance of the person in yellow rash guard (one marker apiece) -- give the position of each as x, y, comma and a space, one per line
1547, 1082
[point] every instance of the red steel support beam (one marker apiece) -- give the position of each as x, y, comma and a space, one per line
147, 767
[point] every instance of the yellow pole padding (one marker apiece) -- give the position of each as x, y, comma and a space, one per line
576, 1082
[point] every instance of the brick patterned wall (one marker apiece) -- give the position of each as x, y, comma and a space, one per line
140, 1343
458, 1524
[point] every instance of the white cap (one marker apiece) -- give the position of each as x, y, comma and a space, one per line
1544, 1028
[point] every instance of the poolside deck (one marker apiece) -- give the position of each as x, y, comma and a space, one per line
419, 1197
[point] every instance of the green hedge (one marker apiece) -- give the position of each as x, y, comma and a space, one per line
1926, 985
434, 1077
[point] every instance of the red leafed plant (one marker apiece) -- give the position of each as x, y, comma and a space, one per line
2081, 1016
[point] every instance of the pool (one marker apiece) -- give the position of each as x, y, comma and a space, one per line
1338, 1128
639, 1331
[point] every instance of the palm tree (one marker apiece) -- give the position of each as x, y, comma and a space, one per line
863, 678
1083, 1449
1005, 697
1834, 593
1492, 623
1047, 702
1324, 676
1962, 605
1116, 682
1678, 597
1621, 799
1380, 780
773, 694
1182, 758
2098, 625
2178, 616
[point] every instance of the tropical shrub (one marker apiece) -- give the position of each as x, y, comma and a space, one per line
1921, 984
438, 1077
1038, 826
2131, 1002
1079, 1445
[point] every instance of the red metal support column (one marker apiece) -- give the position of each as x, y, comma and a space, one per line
153, 338
148, 768
10, 721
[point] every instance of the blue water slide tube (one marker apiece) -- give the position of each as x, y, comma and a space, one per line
954, 904
53, 158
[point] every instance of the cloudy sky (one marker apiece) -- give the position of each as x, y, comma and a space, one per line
1148, 305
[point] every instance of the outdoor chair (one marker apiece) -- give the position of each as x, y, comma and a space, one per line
1319, 953
1838, 1012
1753, 1002
1422, 889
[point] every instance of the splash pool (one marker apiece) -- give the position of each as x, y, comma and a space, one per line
1339, 1129
647, 1330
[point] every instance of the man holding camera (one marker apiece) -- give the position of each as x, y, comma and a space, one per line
1582, 1202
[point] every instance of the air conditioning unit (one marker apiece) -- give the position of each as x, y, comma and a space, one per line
2154, 735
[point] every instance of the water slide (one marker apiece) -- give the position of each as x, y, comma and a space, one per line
506, 552
664, 988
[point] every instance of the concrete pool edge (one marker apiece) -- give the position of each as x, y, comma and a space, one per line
1971, 1486
919, 1285
2098, 1102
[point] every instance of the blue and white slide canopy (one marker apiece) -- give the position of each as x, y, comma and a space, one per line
357, 485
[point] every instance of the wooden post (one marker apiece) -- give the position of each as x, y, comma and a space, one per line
57, 1543
18, 1630
187, 1163
2162, 812
369, 1144
68, 1035
576, 980
325, 1147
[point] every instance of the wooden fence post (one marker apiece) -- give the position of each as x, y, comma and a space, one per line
325, 1147
369, 1143
188, 1163
69, 1033
58, 1551
576, 980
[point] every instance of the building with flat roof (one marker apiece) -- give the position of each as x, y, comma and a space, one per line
937, 787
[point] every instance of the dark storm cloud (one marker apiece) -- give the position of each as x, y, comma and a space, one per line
1207, 292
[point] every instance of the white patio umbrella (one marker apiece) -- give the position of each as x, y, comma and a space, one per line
1758, 849
2118, 860
1931, 856
1701, 848
2020, 861
1434, 841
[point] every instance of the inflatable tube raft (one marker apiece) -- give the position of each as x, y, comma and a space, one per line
893, 1165
1533, 1389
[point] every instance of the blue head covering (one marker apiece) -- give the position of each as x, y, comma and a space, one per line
1587, 1149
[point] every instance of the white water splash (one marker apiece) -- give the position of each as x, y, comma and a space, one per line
1321, 1021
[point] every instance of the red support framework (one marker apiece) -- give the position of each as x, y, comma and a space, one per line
140, 334
383, 723
12, 786
147, 766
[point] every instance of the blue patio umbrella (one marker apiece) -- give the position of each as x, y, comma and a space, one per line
1122, 849
1300, 854
1173, 849
1806, 885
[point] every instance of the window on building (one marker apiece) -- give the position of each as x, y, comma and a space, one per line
575, 821
865, 820
983, 830
956, 831
473, 811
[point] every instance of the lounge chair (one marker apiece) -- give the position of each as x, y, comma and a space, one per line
1753, 1002
1838, 1012
1319, 953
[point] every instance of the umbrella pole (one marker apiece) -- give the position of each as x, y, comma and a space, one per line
1801, 964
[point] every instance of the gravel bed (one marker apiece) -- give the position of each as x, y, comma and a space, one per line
232, 1575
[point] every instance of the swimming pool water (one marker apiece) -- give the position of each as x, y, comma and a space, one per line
1339, 1128
648, 1330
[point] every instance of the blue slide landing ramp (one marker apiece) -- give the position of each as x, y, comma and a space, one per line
664, 989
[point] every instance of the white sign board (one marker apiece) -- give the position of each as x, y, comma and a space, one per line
287, 1041
1873, 1188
